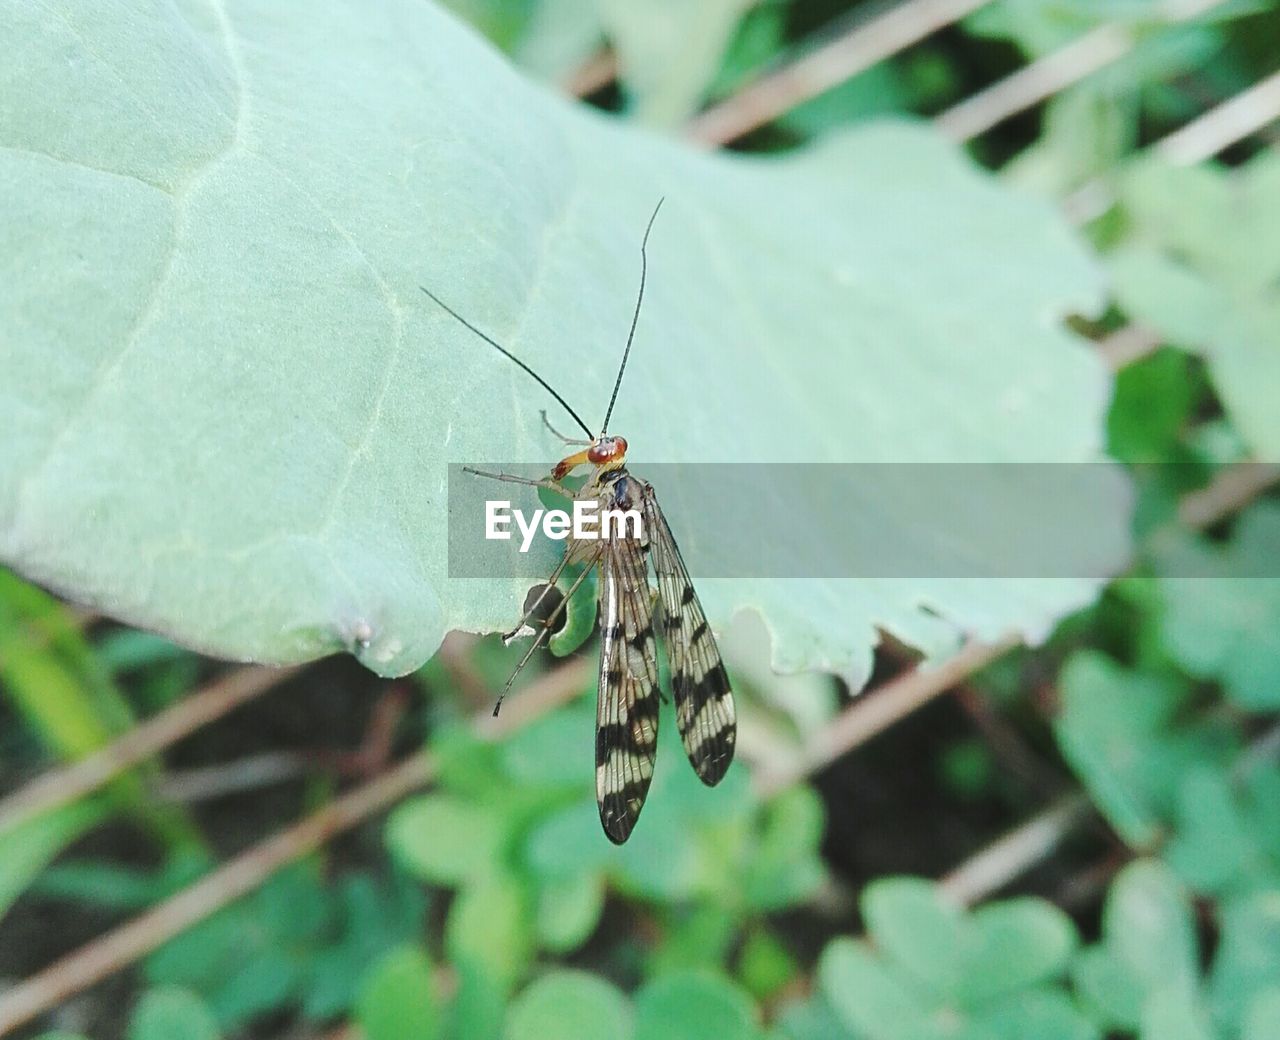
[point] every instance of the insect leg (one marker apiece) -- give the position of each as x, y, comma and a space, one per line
510, 478
550, 584
568, 440
541, 637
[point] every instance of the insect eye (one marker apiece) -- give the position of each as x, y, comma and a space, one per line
606, 450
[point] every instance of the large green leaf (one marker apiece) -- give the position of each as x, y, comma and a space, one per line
227, 409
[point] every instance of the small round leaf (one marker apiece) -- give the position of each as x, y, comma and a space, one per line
172, 1014
569, 1005
396, 1001
694, 1007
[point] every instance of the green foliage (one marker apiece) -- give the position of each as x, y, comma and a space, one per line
765, 965
669, 51
696, 1006
574, 1005
157, 670
172, 1014
68, 698
1093, 126
1042, 26
1145, 972
760, 35
397, 1001
1225, 624
929, 969
1241, 986
25, 849
520, 841
114, 887
1148, 948
52, 674
1152, 409
1161, 772
515, 833
166, 1013
446, 840
1112, 728
571, 1005
1198, 262
295, 943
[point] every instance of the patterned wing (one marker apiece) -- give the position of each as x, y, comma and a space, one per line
627, 719
704, 702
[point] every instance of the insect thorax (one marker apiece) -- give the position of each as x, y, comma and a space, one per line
618, 489
615, 491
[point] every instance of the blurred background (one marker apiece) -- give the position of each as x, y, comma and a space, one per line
1072, 841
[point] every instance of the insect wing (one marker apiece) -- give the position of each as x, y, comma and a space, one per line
704, 702
627, 719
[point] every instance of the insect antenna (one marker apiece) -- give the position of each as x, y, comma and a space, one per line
644, 264
506, 353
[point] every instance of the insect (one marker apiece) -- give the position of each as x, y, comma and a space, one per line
627, 711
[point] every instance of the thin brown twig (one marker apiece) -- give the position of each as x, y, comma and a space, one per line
596, 73
374, 751
252, 772
1008, 857
1225, 124
1127, 344
455, 654
226, 778
777, 93
1034, 82
1085, 888
874, 711
1222, 126
1230, 491
1046, 76
82, 617
998, 864
1007, 745
124, 945
64, 785
826, 66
